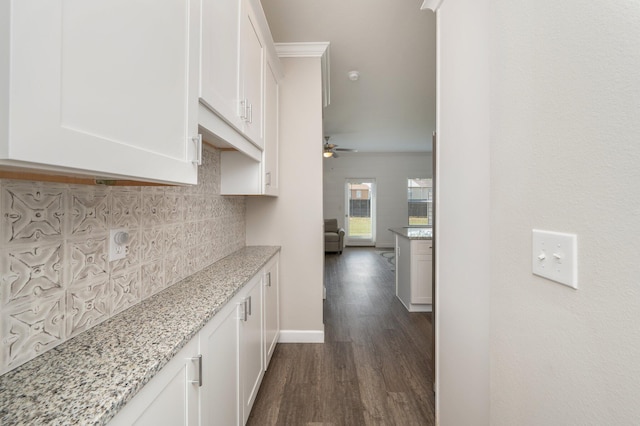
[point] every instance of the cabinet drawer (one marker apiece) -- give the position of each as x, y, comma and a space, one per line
422, 247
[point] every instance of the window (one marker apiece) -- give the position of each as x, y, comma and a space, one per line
420, 201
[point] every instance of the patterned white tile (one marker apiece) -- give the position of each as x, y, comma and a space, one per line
191, 207
174, 207
88, 259
217, 206
88, 304
125, 290
54, 244
173, 238
29, 329
208, 255
88, 211
126, 206
32, 213
152, 244
30, 273
153, 209
152, 278
173, 270
190, 261
191, 234
206, 231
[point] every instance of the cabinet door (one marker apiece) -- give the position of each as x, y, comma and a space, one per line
270, 155
219, 76
251, 64
170, 398
421, 265
105, 87
403, 270
421, 279
219, 395
251, 346
271, 309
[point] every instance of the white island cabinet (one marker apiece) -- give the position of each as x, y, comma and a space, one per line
413, 269
101, 89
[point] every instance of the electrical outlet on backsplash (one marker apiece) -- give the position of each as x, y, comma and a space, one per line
55, 277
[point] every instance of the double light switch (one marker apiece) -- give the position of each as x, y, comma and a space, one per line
555, 257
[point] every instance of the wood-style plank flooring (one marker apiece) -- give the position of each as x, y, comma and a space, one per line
374, 367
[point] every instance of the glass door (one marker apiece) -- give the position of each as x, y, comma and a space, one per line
360, 208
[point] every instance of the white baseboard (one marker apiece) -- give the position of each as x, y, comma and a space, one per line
301, 336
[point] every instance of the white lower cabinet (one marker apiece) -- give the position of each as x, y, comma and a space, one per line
215, 378
219, 394
251, 346
271, 308
171, 397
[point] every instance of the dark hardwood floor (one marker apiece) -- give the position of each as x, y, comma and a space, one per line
374, 367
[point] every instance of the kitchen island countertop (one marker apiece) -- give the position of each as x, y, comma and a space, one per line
89, 378
423, 233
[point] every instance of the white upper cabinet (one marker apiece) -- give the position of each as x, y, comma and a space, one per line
270, 154
251, 63
101, 88
243, 175
220, 61
236, 43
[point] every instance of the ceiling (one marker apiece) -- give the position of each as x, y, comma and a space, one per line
392, 43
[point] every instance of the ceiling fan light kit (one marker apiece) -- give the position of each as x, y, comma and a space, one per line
329, 149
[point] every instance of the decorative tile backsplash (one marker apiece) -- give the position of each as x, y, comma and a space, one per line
55, 277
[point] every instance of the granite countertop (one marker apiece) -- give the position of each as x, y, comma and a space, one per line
89, 378
414, 233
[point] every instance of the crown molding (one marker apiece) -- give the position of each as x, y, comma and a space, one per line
311, 50
302, 50
432, 5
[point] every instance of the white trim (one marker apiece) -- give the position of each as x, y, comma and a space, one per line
301, 336
318, 49
302, 50
355, 241
432, 5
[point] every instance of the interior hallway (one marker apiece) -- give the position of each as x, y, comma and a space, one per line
374, 367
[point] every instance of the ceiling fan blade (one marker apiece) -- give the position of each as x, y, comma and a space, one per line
335, 155
346, 150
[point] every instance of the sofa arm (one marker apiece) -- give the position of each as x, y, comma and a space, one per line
341, 232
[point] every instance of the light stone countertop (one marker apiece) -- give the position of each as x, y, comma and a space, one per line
425, 233
89, 378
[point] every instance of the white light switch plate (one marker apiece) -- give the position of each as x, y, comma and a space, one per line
555, 257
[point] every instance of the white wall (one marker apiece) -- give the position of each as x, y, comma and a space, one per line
463, 216
391, 171
294, 219
565, 156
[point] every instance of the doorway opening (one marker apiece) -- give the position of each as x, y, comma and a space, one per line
360, 212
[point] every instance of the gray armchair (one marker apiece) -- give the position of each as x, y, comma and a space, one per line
333, 236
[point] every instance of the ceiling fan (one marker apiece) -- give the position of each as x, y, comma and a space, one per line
329, 149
